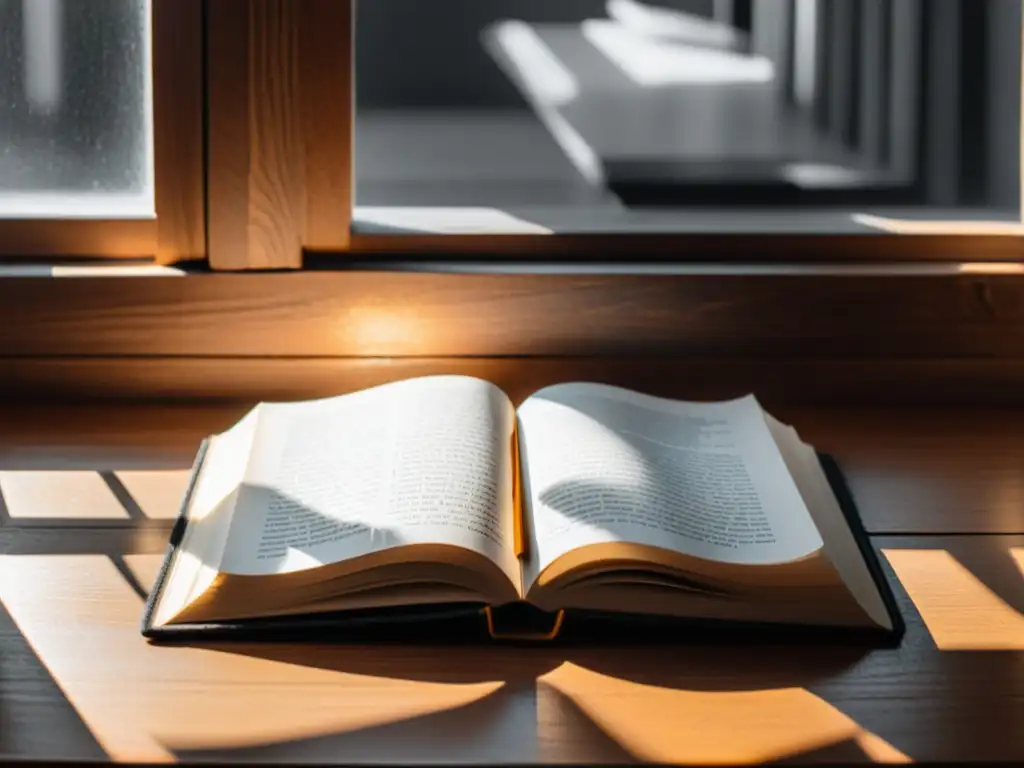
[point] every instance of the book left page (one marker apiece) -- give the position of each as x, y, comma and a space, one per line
423, 461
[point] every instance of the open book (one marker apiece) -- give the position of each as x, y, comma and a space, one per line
586, 500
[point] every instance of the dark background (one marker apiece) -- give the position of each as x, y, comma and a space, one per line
427, 53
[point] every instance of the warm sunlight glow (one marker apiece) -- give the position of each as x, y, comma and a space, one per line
990, 268
907, 227
669, 725
384, 330
1017, 553
961, 613
145, 703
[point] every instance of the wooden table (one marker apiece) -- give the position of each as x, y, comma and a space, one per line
89, 493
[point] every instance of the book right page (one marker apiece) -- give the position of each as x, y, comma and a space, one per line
604, 465
840, 545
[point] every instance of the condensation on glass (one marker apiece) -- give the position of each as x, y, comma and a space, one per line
75, 109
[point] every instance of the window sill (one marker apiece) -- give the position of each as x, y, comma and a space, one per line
893, 333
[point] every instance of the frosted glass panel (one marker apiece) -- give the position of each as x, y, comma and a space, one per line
75, 109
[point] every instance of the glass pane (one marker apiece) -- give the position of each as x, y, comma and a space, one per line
754, 116
75, 109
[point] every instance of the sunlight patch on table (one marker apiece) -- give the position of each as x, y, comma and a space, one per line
86, 495
961, 612
43, 495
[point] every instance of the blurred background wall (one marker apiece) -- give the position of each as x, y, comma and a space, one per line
424, 53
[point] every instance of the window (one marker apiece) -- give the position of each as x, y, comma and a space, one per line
77, 117
264, 112
255, 133
92, 150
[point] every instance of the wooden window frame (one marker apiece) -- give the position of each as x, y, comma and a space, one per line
254, 130
280, 130
176, 231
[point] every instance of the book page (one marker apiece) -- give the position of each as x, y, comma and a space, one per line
425, 461
211, 507
840, 545
606, 465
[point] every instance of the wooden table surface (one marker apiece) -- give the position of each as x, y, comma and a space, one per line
89, 492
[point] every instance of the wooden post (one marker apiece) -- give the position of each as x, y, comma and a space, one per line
280, 112
178, 129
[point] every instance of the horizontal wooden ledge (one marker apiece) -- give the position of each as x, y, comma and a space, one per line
442, 264
44, 239
551, 266
431, 314
955, 243
776, 382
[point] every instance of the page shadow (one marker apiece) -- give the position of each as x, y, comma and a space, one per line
524, 714
500, 728
307, 529
506, 724
245, 507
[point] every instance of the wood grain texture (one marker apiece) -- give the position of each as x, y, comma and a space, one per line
178, 96
327, 80
177, 230
420, 314
52, 239
279, 130
69, 632
118, 380
911, 470
228, 127
277, 179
